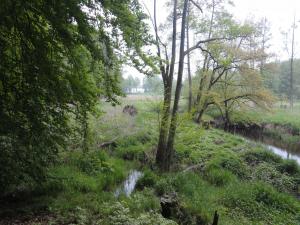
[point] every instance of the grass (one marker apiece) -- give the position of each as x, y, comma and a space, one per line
283, 117
246, 183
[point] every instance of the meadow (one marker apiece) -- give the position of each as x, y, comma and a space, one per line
212, 170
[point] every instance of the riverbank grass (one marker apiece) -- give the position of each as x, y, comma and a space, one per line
212, 170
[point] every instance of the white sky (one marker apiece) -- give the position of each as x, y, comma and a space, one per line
279, 13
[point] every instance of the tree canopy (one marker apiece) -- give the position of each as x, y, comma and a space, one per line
57, 59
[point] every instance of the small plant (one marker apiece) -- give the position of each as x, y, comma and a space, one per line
149, 179
290, 167
219, 177
253, 157
229, 162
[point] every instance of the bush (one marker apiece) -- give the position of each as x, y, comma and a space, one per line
143, 201
91, 163
148, 179
289, 166
260, 202
134, 146
164, 185
142, 137
256, 156
118, 214
228, 161
269, 174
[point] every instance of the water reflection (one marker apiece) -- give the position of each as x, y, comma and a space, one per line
284, 153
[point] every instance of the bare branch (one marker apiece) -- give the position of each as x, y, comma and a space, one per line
198, 44
197, 5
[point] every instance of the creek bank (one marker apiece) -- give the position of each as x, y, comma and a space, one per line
280, 136
172, 209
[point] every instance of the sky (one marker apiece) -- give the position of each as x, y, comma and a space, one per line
279, 13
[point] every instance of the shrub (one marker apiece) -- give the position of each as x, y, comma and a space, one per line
118, 214
143, 201
228, 161
133, 152
269, 174
164, 185
148, 179
261, 202
253, 157
289, 166
91, 163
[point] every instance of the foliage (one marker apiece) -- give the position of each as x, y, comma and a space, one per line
243, 181
149, 179
153, 85
120, 215
57, 59
130, 83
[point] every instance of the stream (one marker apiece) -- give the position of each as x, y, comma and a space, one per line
129, 184
274, 145
284, 153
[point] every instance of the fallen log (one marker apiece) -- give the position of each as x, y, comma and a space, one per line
109, 143
194, 168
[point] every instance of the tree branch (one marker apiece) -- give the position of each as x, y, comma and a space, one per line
197, 5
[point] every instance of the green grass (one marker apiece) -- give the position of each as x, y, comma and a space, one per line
244, 182
284, 117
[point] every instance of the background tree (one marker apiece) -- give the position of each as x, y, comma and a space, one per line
239, 90
130, 83
289, 43
153, 85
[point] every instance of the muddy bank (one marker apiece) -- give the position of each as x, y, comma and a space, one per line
284, 138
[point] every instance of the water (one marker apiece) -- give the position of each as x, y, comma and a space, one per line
284, 153
129, 184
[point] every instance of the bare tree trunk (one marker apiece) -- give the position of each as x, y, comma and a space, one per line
162, 153
292, 67
200, 113
173, 125
189, 63
227, 119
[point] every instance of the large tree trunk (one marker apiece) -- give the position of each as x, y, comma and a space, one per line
200, 113
162, 155
173, 125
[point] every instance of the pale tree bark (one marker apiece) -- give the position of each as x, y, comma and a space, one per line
167, 72
190, 98
173, 125
291, 91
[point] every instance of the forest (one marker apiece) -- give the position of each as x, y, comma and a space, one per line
147, 112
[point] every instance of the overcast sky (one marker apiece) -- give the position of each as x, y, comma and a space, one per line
279, 13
